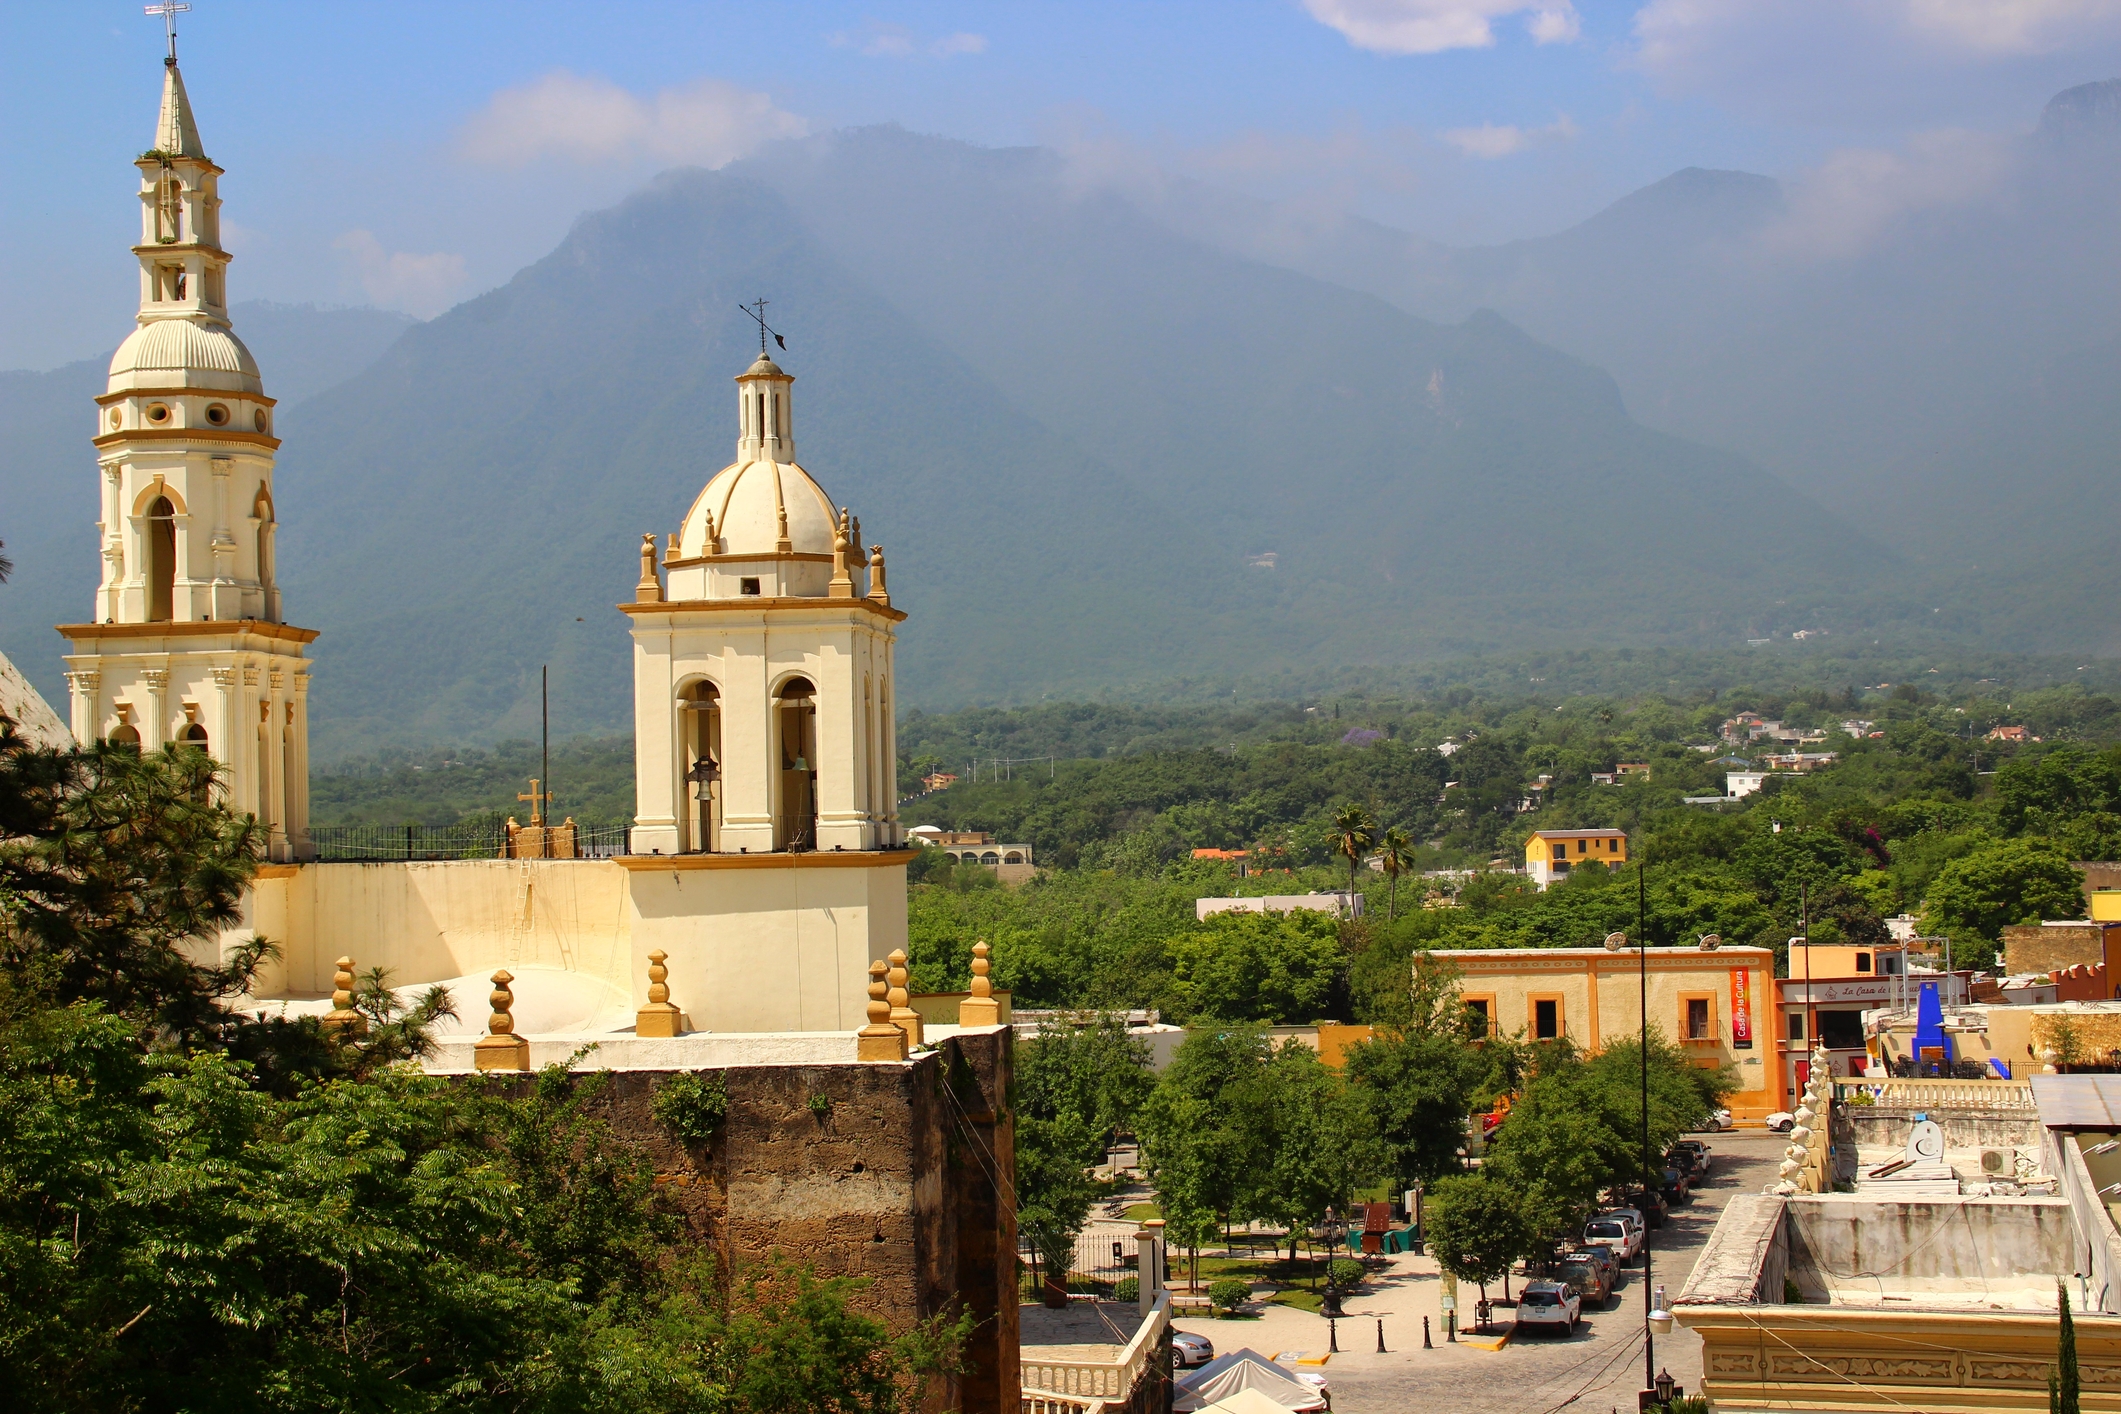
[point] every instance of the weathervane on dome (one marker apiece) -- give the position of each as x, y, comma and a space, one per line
169, 10
757, 311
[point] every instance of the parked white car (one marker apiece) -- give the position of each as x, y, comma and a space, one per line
1780, 1122
1616, 1233
1549, 1305
1717, 1121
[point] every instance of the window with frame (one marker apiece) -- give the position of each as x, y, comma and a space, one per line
1477, 1021
1697, 1019
1863, 962
1546, 1019
1796, 1026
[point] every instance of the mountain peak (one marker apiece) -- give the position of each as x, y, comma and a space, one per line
2088, 111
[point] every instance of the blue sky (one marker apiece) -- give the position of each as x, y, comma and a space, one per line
412, 155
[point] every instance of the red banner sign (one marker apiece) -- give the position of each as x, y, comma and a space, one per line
1741, 1010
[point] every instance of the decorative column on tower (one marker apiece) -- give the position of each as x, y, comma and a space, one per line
187, 599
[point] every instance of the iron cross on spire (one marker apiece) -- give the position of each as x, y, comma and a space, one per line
757, 311
169, 10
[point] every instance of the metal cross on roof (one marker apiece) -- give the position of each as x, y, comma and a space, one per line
169, 10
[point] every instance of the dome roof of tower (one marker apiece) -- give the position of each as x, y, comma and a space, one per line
762, 367
744, 499
178, 352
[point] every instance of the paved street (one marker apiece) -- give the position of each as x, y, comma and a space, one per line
1598, 1369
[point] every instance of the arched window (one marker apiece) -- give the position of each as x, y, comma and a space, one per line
161, 560
990, 857
169, 211
193, 735
700, 755
126, 734
1015, 857
796, 718
261, 512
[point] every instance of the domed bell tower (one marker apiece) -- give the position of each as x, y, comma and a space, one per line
763, 640
187, 643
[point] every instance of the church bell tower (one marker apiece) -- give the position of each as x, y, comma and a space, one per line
188, 643
763, 684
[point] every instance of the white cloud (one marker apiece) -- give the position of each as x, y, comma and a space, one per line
1844, 205
1491, 140
1700, 38
421, 285
883, 41
566, 115
1432, 26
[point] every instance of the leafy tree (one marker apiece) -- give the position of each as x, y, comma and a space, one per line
2005, 882
1395, 852
1209, 1120
1418, 1077
1273, 967
1477, 1226
1077, 1087
1353, 834
1324, 1146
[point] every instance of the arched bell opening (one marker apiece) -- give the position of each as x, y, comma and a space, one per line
795, 733
161, 560
700, 762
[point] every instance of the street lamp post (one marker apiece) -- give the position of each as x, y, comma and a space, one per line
1642, 954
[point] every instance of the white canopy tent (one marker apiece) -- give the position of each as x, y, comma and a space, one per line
1227, 1375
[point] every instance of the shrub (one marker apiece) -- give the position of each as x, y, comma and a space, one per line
1345, 1272
692, 1106
1228, 1294
1127, 1289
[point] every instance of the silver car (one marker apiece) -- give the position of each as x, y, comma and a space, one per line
1189, 1350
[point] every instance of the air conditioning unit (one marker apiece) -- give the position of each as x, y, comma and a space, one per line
1995, 1161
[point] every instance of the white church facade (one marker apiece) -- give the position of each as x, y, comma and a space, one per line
766, 870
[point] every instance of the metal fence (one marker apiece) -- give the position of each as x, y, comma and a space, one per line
375, 843
478, 839
1098, 1263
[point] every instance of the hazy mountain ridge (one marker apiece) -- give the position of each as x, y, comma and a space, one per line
1890, 338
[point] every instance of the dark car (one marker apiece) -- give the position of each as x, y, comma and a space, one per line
1651, 1205
1704, 1159
1675, 1188
1693, 1165
1586, 1277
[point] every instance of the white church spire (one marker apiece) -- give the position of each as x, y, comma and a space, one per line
187, 642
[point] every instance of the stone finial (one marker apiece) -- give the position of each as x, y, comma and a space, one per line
877, 591
650, 589
670, 550
659, 1018
342, 1018
903, 1016
501, 1048
980, 1009
842, 585
879, 1040
782, 545
710, 546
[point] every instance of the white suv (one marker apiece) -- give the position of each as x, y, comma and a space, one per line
1617, 1232
1549, 1304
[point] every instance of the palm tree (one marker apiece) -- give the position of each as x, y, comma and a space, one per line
1395, 853
1353, 834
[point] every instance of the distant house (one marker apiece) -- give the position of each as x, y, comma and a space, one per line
1604, 778
1800, 760
1012, 862
938, 780
1737, 783
1550, 854
1858, 727
1634, 768
1219, 854
1341, 905
2010, 734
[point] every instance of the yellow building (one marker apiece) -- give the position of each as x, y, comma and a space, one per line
1550, 854
1713, 1003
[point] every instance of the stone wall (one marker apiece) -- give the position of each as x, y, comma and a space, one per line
1839, 1238
2045, 947
893, 1172
1888, 1126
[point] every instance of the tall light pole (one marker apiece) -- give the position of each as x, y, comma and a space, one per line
1642, 954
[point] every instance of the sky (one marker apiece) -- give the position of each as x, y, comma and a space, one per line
413, 155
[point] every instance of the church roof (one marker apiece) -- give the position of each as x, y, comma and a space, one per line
764, 367
182, 346
746, 499
176, 131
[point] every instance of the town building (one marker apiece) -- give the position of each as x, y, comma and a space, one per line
186, 641
1340, 905
1011, 863
1550, 854
1706, 1000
